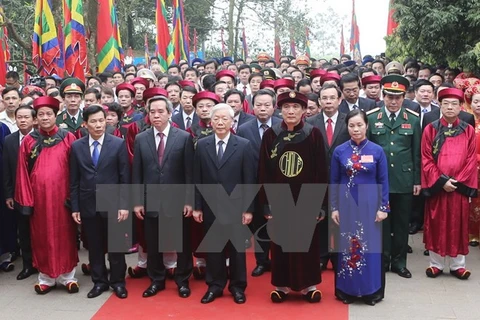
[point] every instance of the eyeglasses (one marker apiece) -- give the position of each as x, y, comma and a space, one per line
351, 90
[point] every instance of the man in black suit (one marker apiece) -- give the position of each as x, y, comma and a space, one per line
235, 98
264, 102
95, 160
225, 160
188, 116
24, 117
350, 87
334, 132
163, 155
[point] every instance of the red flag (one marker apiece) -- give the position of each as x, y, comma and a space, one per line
355, 37
3, 65
195, 42
392, 24
342, 43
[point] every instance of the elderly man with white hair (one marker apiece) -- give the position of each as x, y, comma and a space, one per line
224, 160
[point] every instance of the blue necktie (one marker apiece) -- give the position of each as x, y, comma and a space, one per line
95, 153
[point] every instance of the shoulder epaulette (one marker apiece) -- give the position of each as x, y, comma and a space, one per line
413, 112
369, 112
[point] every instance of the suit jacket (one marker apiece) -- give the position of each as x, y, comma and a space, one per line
340, 133
407, 103
180, 121
112, 169
250, 132
244, 118
176, 167
435, 115
363, 103
11, 146
236, 167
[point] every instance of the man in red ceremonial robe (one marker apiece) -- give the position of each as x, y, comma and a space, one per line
449, 178
293, 153
42, 191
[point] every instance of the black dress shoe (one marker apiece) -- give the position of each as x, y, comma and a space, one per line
409, 249
403, 272
414, 228
426, 253
370, 302
184, 292
260, 269
7, 266
25, 273
210, 297
239, 297
121, 292
323, 263
348, 300
473, 243
386, 267
313, 296
96, 291
153, 289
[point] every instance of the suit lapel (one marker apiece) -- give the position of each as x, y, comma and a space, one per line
103, 151
338, 127
16, 145
172, 136
212, 150
151, 144
86, 150
231, 148
320, 124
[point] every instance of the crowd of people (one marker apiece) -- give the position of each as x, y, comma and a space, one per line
397, 144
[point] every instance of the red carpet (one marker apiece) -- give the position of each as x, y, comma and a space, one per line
167, 303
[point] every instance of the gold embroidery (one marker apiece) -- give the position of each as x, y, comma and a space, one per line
435, 148
206, 132
49, 140
449, 133
34, 153
127, 119
274, 152
290, 136
291, 164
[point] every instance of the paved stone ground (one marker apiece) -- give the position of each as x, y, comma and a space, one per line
416, 298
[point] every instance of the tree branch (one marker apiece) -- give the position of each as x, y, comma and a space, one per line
14, 35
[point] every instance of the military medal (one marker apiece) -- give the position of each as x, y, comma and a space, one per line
379, 125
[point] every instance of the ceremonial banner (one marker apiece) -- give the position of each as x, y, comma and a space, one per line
392, 24
4, 52
147, 54
75, 39
164, 49
342, 43
307, 42
109, 46
179, 38
293, 49
355, 37
244, 45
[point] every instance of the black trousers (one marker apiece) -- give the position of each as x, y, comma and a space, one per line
24, 239
216, 272
96, 231
261, 239
418, 209
161, 235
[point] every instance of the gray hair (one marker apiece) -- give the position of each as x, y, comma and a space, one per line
222, 106
161, 98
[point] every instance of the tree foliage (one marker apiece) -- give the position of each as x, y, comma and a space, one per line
439, 31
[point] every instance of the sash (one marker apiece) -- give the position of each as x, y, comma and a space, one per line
443, 133
285, 137
43, 142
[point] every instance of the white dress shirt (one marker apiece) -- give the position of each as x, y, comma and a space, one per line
21, 136
388, 113
77, 116
350, 105
11, 124
157, 137
240, 87
100, 141
185, 116
225, 141
334, 120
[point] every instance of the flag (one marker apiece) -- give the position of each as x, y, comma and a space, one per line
61, 60
355, 37
4, 52
293, 50
195, 42
307, 42
117, 37
224, 53
244, 45
75, 39
109, 47
342, 43
277, 50
164, 49
147, 54
46, 48
179, 36
392, 24
187, 40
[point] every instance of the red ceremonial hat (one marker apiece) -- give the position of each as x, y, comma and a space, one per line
371, 80
317, 73
125, 86
281, 83
139, 80
46, 102
470, 92
267, 84
452, 93
293, 97
186, 83
29, 89
329, 77
224, 73
205, 95
153, 92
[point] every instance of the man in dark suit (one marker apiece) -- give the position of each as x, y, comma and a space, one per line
235, 98
334, 132
350, 87
24, 117
264, 102
435, 115
187, 116
225, 160
95, 160
163, 155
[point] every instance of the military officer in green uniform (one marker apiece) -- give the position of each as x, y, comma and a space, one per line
397, 130
71, 90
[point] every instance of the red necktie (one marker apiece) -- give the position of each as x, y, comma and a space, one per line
245, 90
161, 148
329, 131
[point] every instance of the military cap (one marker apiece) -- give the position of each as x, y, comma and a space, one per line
205, 95
349, 63
269, 74
186, 83
197, 61
49, 102
153, 92
317, 73
393, 67
72, 85
224, 59
308, 71
292, 97
303, 60
395, 84
367, 59
330, 76
139, 80
450, 93
125, 86
263, 56
371, 80
255, 68
146, 74
267, 84
225, 73
281, 83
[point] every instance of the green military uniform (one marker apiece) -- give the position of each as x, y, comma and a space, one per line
401, 142
64, 119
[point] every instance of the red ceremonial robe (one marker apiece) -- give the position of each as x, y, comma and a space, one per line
446, 213
42, 191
